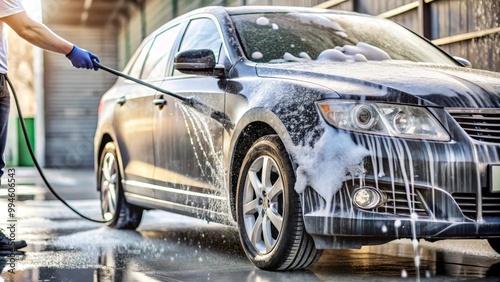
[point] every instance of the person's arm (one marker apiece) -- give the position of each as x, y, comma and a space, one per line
37, 33
41, 36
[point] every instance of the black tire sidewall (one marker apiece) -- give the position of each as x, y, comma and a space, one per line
268, 146
110, 148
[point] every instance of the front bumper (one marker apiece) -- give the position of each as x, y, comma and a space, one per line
339, 233
444, 184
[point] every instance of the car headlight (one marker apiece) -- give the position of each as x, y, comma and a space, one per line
383, 119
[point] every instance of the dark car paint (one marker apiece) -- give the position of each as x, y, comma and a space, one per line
412, 83
257, 98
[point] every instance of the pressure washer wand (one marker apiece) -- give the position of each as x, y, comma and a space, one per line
190, 101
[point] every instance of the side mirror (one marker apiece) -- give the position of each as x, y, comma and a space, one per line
199, 62
463, 62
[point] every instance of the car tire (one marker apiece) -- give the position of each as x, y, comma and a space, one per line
495, 244
114, 206
270, 221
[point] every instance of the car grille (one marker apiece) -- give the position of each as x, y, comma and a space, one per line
397, 200
467, 203
480, 124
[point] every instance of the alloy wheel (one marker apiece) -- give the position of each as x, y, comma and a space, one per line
263, 204
109, 192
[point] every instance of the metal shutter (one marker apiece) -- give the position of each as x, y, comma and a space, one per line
72, 97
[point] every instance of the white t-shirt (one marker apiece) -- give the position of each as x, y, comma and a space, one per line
7, 8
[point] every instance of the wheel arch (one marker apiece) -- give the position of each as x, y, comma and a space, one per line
254, 125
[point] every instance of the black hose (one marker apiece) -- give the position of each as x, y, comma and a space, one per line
37, 165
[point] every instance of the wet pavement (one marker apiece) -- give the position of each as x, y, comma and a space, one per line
170, 247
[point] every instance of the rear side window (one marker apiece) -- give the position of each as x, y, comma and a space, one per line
159, 55
136, 69
201, 34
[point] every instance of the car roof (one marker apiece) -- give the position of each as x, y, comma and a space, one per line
280, 9
232, 11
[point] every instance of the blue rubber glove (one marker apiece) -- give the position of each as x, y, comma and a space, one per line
81, 58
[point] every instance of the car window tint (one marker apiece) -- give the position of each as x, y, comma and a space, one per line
201, 34
156, 63
136, 69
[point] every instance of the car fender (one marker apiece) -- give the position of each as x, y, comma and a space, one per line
107, 135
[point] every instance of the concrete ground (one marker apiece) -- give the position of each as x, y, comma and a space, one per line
170, 247
68, 183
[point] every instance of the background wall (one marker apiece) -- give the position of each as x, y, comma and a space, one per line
475, 24
464, 28
72, 97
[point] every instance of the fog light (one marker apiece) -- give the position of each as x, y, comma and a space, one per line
367, 198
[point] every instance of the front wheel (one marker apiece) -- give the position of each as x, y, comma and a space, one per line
269, 213
114, 207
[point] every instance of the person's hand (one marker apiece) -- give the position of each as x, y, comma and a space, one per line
81, 58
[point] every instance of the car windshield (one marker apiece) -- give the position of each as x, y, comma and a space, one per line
292, 37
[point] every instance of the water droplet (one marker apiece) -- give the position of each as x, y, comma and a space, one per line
415, 244
108, 216
427, 274
200, 259
172, 258
384, 229
397, 223
417, 261
414, 216
404, 274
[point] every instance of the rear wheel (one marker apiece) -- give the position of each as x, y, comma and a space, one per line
114, 207
269, 213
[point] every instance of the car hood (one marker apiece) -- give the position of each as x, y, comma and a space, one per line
397, 81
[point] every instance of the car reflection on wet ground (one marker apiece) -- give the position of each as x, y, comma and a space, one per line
170, 247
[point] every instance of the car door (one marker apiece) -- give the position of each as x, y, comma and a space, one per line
188, 144
134, 126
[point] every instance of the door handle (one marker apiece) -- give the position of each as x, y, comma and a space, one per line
160, 102
121, 100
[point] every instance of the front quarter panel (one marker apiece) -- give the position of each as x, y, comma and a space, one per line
262, 106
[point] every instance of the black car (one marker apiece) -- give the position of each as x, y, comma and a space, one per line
308, 129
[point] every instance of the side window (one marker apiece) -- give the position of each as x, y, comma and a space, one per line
201, 34
156, 63
136, 69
